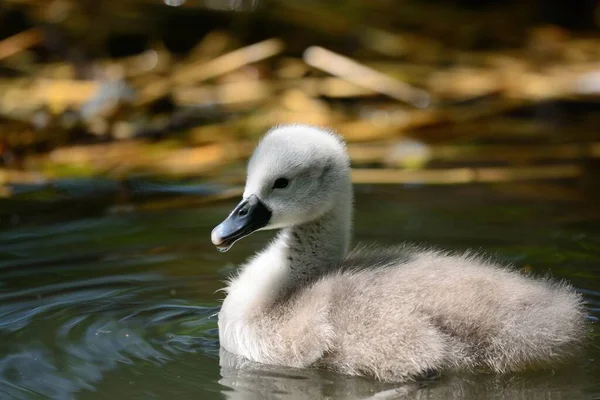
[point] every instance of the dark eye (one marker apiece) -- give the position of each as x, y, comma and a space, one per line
281, 183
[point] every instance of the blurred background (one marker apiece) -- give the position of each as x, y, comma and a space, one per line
433, 92
125, 126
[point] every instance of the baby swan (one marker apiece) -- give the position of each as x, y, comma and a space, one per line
393, 314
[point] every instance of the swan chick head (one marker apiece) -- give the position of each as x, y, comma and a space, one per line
295, 175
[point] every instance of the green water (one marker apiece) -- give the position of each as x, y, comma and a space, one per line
96, 305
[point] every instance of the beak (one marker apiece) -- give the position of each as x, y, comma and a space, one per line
248, 216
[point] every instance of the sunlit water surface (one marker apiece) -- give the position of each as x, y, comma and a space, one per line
95, 305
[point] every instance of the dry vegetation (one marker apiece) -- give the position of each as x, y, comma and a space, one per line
414, 108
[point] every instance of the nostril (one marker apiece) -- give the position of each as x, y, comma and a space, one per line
243, 212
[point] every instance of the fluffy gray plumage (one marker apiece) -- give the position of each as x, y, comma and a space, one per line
393, 314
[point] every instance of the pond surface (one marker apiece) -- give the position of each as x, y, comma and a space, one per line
97, 305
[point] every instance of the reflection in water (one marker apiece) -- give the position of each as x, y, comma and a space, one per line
124, 306
248, 380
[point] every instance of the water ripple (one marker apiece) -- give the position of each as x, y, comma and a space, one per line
92, 326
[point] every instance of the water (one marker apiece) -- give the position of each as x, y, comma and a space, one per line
96, 305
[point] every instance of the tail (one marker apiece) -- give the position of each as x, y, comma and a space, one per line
550, 327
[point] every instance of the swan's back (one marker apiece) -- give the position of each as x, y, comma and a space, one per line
402, 312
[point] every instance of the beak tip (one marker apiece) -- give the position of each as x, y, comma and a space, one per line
215, 236
217, 239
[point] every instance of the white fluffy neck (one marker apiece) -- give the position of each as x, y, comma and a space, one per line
314, 248
297, 256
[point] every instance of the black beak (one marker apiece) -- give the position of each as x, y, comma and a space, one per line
248, 216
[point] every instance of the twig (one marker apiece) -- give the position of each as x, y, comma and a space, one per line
362, 75
228, 62
466, 175
201, 70
19, 42
383, 153
225, 94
